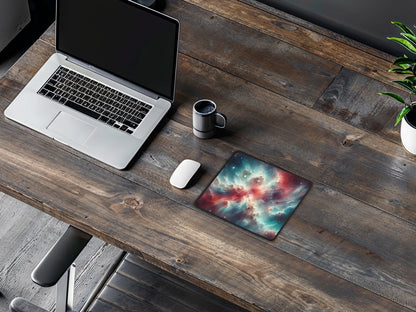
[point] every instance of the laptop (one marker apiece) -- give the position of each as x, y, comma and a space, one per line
110, 82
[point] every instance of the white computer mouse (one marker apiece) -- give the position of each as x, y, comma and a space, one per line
184, 173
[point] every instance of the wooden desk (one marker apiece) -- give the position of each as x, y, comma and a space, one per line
295, 96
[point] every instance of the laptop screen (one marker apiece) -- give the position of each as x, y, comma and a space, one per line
122, 38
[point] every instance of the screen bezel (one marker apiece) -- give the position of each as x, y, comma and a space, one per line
96, 68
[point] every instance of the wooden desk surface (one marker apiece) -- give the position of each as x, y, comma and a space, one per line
295, 96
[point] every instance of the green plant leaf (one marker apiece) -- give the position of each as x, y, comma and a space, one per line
411, 79
410, 37
403, 27
404, 60
403, 42
401, 71
394, 96
409, 86
402, 113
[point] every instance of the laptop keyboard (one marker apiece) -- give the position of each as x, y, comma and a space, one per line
95, 99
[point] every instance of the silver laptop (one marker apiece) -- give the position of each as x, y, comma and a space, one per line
110, 82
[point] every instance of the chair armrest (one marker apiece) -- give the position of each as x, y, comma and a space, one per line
60, 257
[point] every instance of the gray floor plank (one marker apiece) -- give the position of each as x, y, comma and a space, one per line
139, 286
162, 301
26, 234
171, 286
125, 302
101, 306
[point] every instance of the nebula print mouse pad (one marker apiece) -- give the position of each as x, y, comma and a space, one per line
254, 195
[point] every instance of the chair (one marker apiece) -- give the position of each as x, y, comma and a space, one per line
132, 285
57, 268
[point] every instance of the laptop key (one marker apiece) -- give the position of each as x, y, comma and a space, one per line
136, 120
130, 124
82, 109
103, 118
50, 88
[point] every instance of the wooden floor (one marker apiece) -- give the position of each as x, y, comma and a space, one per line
139, 286
26, 234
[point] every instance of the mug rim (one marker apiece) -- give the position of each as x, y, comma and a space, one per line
205, 100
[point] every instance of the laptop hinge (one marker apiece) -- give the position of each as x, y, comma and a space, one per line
112, 77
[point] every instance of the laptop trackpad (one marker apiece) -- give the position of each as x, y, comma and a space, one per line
70, 129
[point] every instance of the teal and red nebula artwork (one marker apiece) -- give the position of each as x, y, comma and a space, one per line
254, 195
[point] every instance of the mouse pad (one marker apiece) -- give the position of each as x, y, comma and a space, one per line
254, 195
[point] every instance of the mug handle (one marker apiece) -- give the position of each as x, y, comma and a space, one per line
220, 120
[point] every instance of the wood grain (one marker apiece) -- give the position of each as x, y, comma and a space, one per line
304, 140
179, 143
318, 29
287, 70
141, 220
313, 42
353, 98
245, 52
350, 242
138, 286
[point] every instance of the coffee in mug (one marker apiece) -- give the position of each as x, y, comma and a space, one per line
206, 119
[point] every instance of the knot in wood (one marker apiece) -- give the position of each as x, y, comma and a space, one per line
347, 143
285, 26
350, 139
133, 203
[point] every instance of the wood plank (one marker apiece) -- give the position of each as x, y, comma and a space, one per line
301, 37
169, 286
315, 232
148, 296
323, 149
101, 306
318, 29
125, 302
93, 263
143, 219
287, 70
23, 243
248, 53
30, 62
49, 35
353, 98
363, 245
360, 249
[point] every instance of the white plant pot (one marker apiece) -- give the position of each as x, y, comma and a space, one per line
408, 131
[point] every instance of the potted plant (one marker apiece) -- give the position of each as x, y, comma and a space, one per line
405, 65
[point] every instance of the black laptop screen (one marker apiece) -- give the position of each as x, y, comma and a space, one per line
122, 38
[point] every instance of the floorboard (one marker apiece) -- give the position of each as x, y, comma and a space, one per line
26, 234
139, 286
